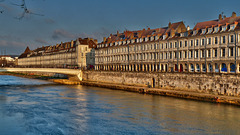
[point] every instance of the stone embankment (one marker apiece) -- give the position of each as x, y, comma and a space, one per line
188, 86
165, 92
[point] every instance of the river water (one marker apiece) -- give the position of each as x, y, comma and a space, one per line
29, 107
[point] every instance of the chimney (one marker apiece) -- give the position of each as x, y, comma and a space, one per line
148, 28
188, 28
220, 17
234, 14
72, 43
169, 24
104, 39
117, 33
224, 17
95, 40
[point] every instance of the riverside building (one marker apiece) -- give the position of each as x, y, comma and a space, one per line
211, 46
75, 54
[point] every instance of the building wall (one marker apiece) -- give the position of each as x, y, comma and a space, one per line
181, 54
82, 57
219, 84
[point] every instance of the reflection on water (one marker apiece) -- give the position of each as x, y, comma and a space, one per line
58, 109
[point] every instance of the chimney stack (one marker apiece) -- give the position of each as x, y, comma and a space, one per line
188, 28
234, 14
104, 39
220, 17
117, 33
169, 24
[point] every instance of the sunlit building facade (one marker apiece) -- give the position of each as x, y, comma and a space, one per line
211, 46
75, 54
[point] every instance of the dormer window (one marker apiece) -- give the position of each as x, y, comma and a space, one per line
182, 35
146, 39
156, 37
137, 40
140, 40
210, 30
216, 29
232, 27
203, 31
164, 37
152, 38
194, 32
223, 28
110, 44
128, 41
105, 45
124, 42
116, 43
132, 41
119, 43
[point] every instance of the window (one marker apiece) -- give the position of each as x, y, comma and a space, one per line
191, 42
215, 29
223, 40
203, 53
197, 42
223, 28
175, 55
231, 51
196, 54
209, 41
215, 40
215, 52
185, 54
203, 31
223, 52
209, 30
170, 45
209, 53
231, 38
166, 46
180, 43
170, 55
190, 54
185, 43
180, 54
203, 42
175, 44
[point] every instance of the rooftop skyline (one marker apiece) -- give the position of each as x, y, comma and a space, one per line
64, 20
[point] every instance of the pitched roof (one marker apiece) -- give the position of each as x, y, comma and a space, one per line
213, 23
126, 35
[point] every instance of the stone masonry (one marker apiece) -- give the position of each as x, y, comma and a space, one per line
217, 84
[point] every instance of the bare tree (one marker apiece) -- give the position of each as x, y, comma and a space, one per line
25, 10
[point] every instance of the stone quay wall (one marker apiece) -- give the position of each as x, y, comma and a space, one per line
217, 84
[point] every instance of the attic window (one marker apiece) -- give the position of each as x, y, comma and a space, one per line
164, 37
232, 27
146, 39
194, 32
203, 31
216, 29
209, 30
223, 28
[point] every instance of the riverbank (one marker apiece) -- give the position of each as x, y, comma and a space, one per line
171, 93
70, 81
143, 89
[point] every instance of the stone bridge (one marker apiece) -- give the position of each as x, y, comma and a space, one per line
76, 72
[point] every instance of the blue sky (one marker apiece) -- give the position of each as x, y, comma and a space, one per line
65, 20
